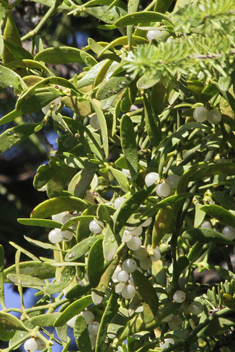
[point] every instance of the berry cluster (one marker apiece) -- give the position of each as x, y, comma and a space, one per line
56, 235
201, 114
163, 189
122, 275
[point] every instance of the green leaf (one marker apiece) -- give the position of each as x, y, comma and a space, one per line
213, 169
113, 86
66, 278
129, 146
221, 214
106, 14
141, 17
64, 55
151, 121
130, 206
59, 181
81, 182
81, 335
6, 335
80, 249
111, 310
103, 127
10, 322
77, 291
26, 280
95, 264
17, 51
123, 41
73, 309
110, 243
58, 205
40, 222
42, 244
15, 135
90, 75
2, 276
206, 235
121, 178
147, 294
10, 79
10, 116
79, 162
37, 269
225, 200
45, 320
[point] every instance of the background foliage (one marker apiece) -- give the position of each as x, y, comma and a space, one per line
124, 106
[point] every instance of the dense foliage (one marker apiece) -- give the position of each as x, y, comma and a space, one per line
141, 187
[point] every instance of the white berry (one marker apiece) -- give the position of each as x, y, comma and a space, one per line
31, 345
179, 296
200, 114
173, 180
71, 322
135, 231
67, 235
163, 190
166, 343
93, 340
126, 237
129, 265
196, 308
140, 253
119, 287
175, 323
93, 327
229, 232
214, 116
95, 227
115, 274
123, 276
59, 217
55, 236
153, 34
41, 344
147, 222
151, 178
127, 172
134, 244
118, 202
206, 225
88, 316
128, 291
156, 255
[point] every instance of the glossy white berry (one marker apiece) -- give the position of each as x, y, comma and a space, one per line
94, 122
31, 345
123, 276
59, 217
196, 308
166, 343
173, 180
89, 197
135, 231
127, 236
146, 263
55, 236
119, 287
88, 316
229, 232
71, 322
179, 296
93, 327
214, 116
41, 344
163, 190
175, 323
134, 244
147, 222
67, 235
55, 102
206, 225
129, 265
115, 274
128, 291
127, 172
156, 255
151, 178
200, 114
140, 253
95, 227
118, 202
153, 34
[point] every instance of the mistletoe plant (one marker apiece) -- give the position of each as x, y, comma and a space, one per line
141, 187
